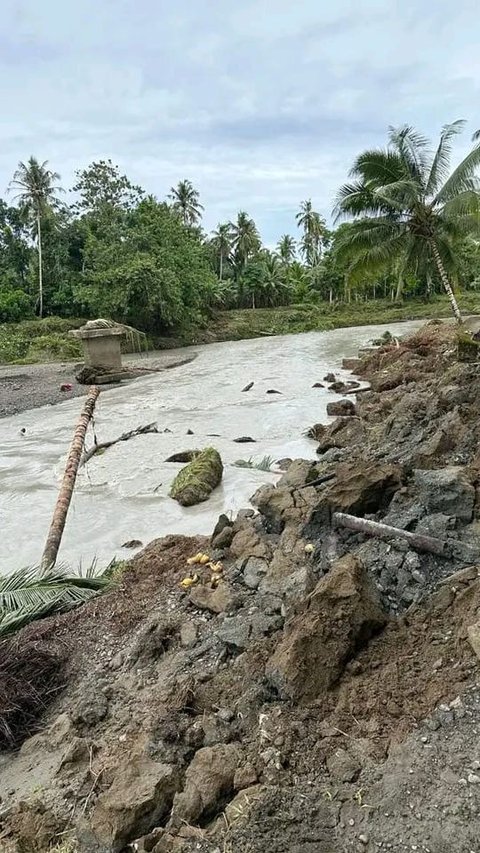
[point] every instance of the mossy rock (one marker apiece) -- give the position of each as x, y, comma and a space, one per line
195, 483
468, 349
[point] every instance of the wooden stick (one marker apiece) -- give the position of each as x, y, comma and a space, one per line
102, 445
385, 531
70, 475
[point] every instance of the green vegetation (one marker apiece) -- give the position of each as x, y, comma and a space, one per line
194, 483
265, 463
30, 594
117, 252
410, 213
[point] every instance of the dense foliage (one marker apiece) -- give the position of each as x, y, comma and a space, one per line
117, 252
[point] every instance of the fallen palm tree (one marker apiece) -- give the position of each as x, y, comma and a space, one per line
385, 531
70, 475
195, 483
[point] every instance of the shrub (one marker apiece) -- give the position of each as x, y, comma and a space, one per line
15, 305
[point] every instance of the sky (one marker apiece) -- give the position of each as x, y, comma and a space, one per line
260, 103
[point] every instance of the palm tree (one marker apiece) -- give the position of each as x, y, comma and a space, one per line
314, 229
222, 241
286, 248
407, 208
246, 240
185, 199
36, 191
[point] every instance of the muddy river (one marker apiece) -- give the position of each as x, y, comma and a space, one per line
123, 494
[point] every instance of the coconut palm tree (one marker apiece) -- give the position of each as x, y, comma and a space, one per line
246, 240
36, 191
186, 199
222, 241
286, 248
408, 208
314, 229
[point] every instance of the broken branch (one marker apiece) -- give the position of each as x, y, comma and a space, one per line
102, 445
385, 531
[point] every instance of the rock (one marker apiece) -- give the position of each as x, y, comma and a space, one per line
139, 797
473, 632
221, 599
447, 490
343, 766
253, 571
190, 432
318, 385
247, 387
208, 783
237, 813
223, 539
91, 709
330, 377
133, 543
241, 630
245, 777
338, 387
342, 408
244, 439
183, 456
195, 483
248, 543
272, 391
188, 635
284, 464
351, 364
362, 488
340, 615
222, 523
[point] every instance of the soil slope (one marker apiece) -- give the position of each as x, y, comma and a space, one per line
318, 695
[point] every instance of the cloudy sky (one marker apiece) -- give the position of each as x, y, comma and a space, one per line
260, 103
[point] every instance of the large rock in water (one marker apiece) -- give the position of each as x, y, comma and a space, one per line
341, 614
195, 483
140, 795
363, 488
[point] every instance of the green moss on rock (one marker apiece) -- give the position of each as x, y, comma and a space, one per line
194, 483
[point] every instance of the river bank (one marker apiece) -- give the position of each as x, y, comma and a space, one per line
48, 341
323, 696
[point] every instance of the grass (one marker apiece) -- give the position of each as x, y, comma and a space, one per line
265, 464
33, 341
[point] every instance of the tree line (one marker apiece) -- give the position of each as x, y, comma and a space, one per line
412, 229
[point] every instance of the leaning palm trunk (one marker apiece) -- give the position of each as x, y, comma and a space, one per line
66, 489
446, 283
40, 271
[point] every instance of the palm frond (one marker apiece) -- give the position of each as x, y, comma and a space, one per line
441, 161
30, 594
380, 167
413, 149
359, 199
462, 179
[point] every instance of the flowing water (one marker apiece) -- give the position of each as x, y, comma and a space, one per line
123, 494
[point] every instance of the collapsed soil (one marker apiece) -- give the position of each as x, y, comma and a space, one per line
318, 695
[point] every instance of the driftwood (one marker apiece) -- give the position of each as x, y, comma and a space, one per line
102, 445
385, 531
70, 475
356, 390
319, 481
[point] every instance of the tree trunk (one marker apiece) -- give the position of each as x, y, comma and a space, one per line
399, 288
70, 474
221, 265
40, 271
446, 283
384, 531
374, 290
330, 296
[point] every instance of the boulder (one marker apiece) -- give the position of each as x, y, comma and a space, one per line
448, 491
340, 616
342, 408
223, 539
248, 543
363, 488
338, 387
330, 377
220, 599
253, 571
139, 797
351, 364
195, 483
208, 783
